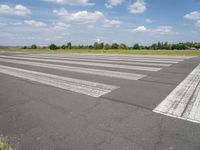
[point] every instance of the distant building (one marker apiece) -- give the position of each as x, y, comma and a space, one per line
193, 48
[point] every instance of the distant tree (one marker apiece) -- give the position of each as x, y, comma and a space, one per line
159, 45
154, 46
53, 47
95, 45
34, 46
101, 45
196, 45
90, 47
74, 47
69, 45
182, 46
63, 47
98, 45
122, 46
114, 46
44, 47
80, 46
136, 46
142, 47
107, 46
166, 46
173, 46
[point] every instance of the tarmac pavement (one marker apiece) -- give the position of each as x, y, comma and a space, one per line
55, 101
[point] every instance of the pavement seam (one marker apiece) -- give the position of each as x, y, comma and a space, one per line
123, 102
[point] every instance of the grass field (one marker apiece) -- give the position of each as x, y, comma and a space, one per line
4, 144
116, 51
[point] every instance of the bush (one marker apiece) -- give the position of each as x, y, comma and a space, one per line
4, 144
33, 46
53, 47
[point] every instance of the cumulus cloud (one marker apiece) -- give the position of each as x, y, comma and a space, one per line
195, 15
158, 30
111, 23
112, 3
85, 17
61, 26
34, 23
198, 23
72, 2
164, 30
80, 16
140, 29
18, 10
139, 6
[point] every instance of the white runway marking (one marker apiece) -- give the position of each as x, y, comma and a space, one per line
152, 60
80, 86
89, 64
102, 61
113, 55
184, 101
122, 75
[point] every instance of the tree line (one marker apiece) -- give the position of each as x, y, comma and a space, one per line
106, 46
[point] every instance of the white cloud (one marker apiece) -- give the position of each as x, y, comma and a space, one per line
198, 23
112, 3
111, 23
140, 29
61, 26
34, 23
159, 30
72, 2
195, 15
82, 17
139, 6
164, 30
18, 10
148, 20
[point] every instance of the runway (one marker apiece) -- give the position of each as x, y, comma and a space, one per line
100, 101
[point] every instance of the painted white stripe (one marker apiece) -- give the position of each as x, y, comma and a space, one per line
102, 61
124, 59
139, 58
143, 60
116, 55
193, 110
184, 101
80, 86
108, 57
121, 75
89, 63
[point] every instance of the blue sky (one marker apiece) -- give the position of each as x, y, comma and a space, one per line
24, 22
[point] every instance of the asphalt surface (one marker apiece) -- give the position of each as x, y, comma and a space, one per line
50, 114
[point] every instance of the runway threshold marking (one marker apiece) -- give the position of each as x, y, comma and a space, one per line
114, 74
151, 60
184, 101
89, 63
93, 89
115, 56
102, 61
